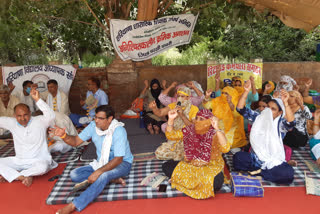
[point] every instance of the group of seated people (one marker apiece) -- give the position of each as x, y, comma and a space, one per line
40, 123
259, 127
199, 128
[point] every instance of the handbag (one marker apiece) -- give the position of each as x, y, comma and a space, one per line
246, 185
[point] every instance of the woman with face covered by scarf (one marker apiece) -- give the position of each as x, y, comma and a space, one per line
286, 83
152, 122
200, 174
223, 107
253, 96
267, 155
237, 83
298, 136
173, 148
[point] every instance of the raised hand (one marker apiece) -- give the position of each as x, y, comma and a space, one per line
35, 94
174, 84
247, 86
172, 114
217, 77
214, 122
153, 105
317, 115
308, 83
146, 83
296, 87
57, 131
164, 83
190, 84
179, 110
267, 87
11, 86
251, 79
276, 94
208, 93
284, 96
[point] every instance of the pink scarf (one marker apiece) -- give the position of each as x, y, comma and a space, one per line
196, 146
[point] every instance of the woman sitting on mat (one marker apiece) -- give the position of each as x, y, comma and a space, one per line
267, 155
153, 123
224, 108
200, 174
298, 136
315, 141
173, 148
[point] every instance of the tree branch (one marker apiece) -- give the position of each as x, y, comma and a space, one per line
166, 8
95, 16
128, 10
203, 5
82, 22
161, 5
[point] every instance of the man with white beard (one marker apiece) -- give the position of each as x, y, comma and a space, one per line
173, 149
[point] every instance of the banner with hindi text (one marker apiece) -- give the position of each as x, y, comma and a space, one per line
227, 71
40, 74
142, 40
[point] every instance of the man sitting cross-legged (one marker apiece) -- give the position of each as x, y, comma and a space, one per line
114, 157
30, 143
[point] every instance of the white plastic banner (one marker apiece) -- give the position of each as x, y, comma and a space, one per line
40, 74
142, 40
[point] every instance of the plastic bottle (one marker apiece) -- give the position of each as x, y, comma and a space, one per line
141, 120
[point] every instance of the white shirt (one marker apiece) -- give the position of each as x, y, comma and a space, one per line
62, 102
30, 142
26, 100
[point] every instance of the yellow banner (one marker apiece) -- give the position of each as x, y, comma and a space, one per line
227, 71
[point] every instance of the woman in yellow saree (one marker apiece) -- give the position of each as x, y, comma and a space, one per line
224, 108
200, 174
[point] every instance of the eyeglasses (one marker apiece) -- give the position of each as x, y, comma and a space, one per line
99, 118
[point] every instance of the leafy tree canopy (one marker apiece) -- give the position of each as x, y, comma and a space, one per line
35, 31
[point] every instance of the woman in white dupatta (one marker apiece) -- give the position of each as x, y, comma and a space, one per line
267, 154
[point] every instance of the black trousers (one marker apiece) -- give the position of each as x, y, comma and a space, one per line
295, 139
169, 166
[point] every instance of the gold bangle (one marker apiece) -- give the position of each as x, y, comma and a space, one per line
315, 124
64, 136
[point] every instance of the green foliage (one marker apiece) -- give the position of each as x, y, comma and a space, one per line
34, 32
197, 54
93, 61
237, 32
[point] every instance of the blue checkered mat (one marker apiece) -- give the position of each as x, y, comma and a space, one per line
73, 155
298, 155
113, 192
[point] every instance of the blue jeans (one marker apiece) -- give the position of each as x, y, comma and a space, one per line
82, 173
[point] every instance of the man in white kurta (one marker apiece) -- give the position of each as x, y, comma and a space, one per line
24, 95
30, 143
57, 99
7, 103
57, 144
